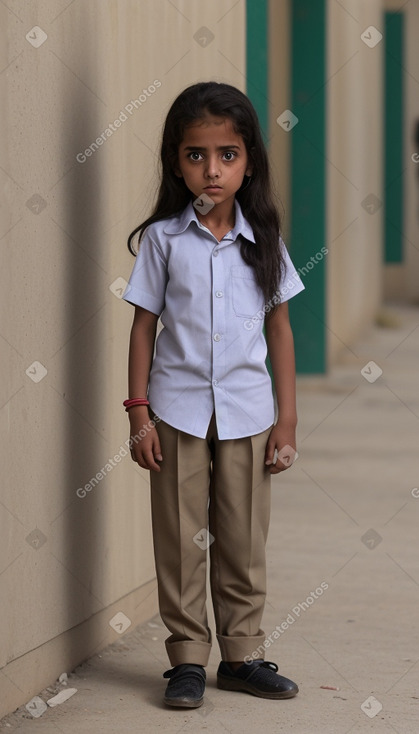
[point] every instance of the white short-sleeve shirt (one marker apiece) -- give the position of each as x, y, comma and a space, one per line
211, 352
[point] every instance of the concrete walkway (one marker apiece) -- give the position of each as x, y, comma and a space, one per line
345, 516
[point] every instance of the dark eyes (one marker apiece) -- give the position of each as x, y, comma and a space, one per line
228, 155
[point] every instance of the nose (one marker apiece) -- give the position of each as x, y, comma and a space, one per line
212, 168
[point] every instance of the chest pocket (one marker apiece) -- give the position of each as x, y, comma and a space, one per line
247, 297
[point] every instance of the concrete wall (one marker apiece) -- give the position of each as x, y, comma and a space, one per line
279, 100
401, 280
410, 271
354, 166
358, 279
354, 172
70, 563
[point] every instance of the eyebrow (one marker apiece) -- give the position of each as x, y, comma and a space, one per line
220, 147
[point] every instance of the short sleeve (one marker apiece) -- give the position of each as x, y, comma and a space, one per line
147, 284
291, 283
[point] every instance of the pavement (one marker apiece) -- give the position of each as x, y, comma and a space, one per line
343, 576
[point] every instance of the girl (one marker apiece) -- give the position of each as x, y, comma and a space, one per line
213, 267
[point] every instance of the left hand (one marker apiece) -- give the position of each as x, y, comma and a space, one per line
281, 438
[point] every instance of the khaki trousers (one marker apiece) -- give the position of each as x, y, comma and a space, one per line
224, 487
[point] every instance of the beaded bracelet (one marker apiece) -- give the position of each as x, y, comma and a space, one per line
132, 402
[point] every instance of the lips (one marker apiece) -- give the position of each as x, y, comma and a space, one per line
212, 188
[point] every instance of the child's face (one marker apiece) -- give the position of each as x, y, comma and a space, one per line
213, 159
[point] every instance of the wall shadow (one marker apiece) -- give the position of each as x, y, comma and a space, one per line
85, 297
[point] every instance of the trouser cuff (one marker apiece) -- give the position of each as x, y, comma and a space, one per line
188, 651
234, 649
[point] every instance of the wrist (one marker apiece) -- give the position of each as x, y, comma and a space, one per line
287, 421
138, 410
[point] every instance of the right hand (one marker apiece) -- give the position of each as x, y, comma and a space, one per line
145, 451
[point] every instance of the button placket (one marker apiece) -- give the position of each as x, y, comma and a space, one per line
218, 317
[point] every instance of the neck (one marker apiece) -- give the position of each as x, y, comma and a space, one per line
219, 217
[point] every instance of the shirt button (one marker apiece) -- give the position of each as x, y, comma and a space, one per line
215, 383
215, 253
219, 294
217, 337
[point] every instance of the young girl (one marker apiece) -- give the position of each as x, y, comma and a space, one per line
213, 267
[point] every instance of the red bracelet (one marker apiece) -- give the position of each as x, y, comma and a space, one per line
130, 403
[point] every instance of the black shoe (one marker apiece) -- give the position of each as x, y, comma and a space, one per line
186, 686
258, 678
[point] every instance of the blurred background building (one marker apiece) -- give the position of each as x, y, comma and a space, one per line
85, 88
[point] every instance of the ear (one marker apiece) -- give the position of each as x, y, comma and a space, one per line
177, 172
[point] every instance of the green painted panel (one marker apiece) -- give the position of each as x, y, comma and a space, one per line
393, 137
308, 180
257, 58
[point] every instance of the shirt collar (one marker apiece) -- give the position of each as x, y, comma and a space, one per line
180, 223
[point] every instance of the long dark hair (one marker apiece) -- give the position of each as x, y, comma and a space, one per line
255, 196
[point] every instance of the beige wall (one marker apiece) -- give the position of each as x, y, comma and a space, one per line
279, 100
61, 251
411, 179
354, 171
354, 160
401, 280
